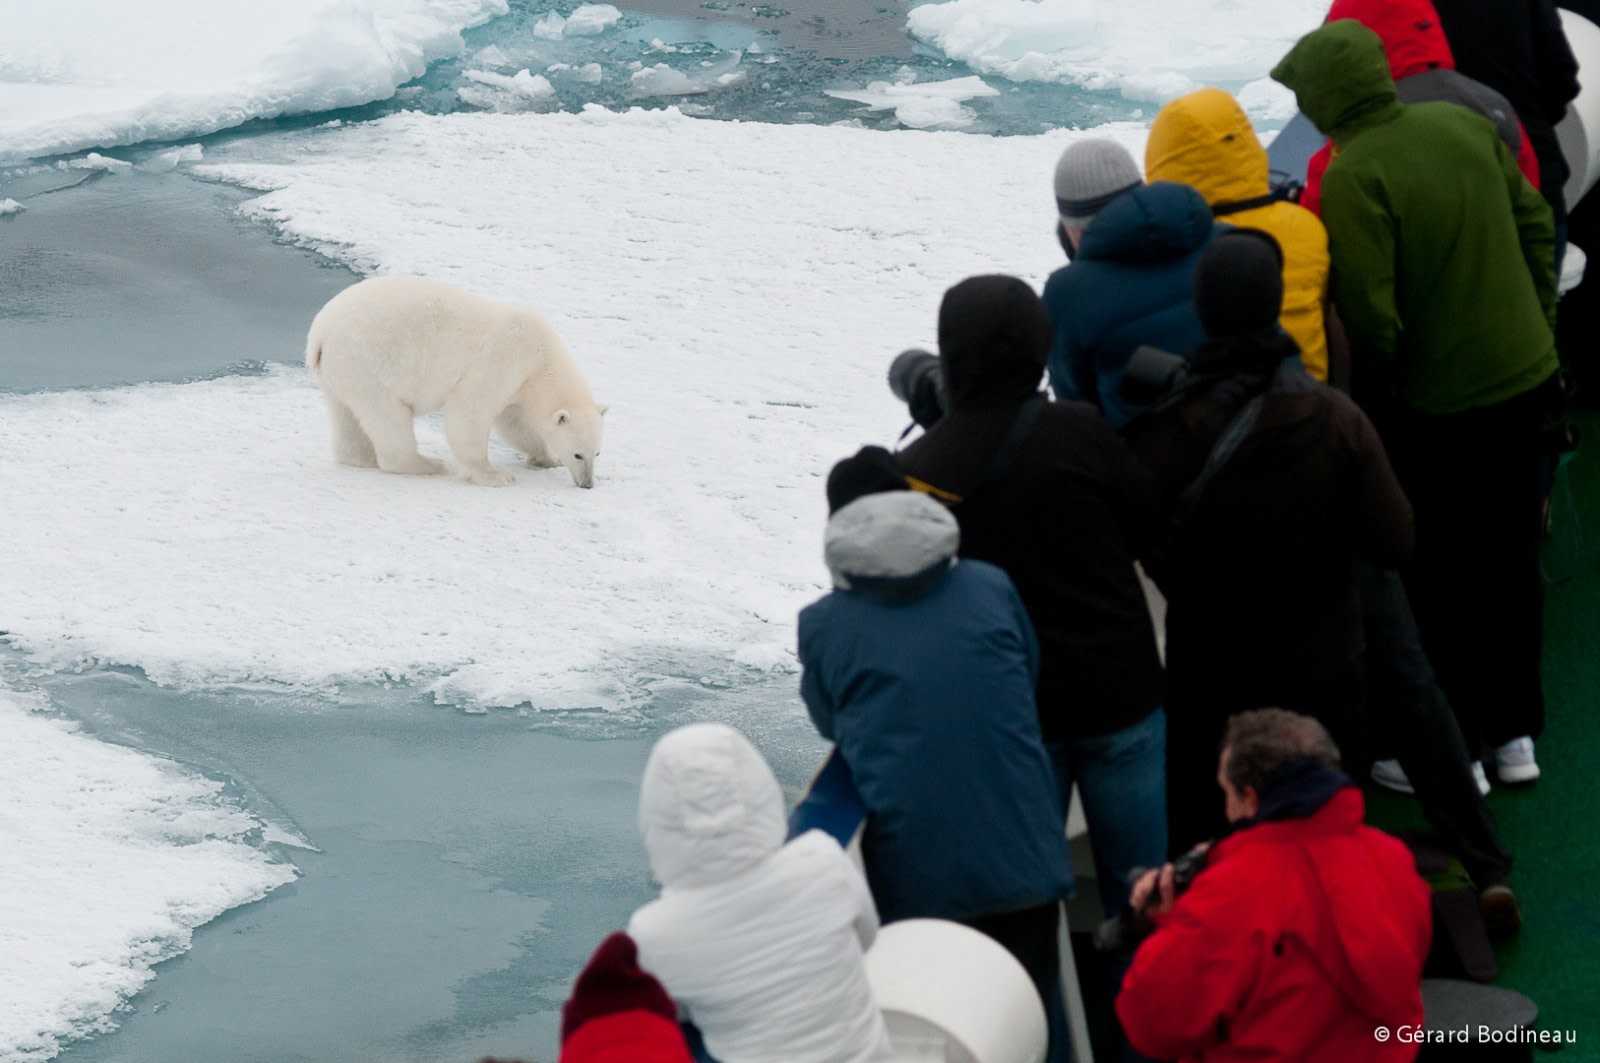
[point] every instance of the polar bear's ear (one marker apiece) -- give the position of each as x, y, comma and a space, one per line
562, 417
603, 408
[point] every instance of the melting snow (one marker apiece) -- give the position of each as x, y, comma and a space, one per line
112, 858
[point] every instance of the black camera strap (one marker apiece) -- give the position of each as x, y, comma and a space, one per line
1021, 428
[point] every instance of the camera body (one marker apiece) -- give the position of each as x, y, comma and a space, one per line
1124, 931
916, 380
1152, 374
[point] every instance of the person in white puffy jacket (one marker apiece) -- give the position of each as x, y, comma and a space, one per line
759, 942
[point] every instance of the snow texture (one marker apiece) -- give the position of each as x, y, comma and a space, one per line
588, 20
735, 292
1145, 49
928, 105
99, 73
112, 858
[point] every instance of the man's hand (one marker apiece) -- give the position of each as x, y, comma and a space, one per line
1153, 893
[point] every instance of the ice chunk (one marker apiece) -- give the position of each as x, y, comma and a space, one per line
102, 73
1267, 101
587, 20
96, 161
491, 56
663, 80
112, 858
929, 105
1146, 49
497, 92
588, 73
591, 19
172, 158
10, 208
551, 27
659, 45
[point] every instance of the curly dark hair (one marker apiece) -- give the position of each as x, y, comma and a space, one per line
1259, 742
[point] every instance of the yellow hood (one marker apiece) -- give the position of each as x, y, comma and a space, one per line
1205, 141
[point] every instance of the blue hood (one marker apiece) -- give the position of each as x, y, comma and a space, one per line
1152, 223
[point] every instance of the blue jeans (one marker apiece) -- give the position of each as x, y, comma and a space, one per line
1122, 781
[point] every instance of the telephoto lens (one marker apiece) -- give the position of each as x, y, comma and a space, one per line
915, 379
1152, 374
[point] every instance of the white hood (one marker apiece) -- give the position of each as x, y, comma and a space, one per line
709, 807
888, 536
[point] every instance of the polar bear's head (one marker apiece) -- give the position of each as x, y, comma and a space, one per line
572, 437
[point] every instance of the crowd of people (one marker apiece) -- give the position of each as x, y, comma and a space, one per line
1326, 430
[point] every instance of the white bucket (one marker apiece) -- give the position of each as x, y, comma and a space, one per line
1579, 131
952, 995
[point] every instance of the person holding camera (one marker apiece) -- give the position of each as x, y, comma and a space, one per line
1047, 492
1304, 932
1273, 486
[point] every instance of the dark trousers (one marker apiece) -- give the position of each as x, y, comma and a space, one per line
1409, 716
1031, 936
1475, 482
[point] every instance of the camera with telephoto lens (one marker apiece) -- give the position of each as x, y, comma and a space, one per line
1123, 932
1152, 374
916, 380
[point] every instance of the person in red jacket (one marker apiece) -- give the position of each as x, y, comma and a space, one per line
1424, 71
1304, 933
619, 1013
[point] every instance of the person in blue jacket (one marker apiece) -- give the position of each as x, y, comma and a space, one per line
922, 669
1133, 248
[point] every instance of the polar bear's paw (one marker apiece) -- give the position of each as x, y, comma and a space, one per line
414, 465
490, 477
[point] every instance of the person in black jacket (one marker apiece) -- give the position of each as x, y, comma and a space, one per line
1049, 493
1274, 486
1518, 48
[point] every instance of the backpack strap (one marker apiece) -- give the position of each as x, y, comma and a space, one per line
1022, 425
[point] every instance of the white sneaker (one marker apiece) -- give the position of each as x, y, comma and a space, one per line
1482, 777
1514, 761
1389, 773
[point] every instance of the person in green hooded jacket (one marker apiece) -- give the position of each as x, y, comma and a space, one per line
1443, 267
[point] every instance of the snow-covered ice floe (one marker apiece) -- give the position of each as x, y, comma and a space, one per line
10, 208
101, 73
111, 859
1146, 49
587, 20
661, 79
925, 105
521, 91
734, 291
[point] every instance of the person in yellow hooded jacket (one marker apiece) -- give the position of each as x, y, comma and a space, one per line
1205, 141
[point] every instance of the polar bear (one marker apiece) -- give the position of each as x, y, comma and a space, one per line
388, 348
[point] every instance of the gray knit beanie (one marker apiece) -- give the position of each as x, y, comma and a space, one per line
1089, 175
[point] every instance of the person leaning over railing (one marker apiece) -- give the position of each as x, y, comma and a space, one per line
922, 669
1302, 938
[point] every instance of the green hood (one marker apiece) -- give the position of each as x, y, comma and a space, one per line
1340, 77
